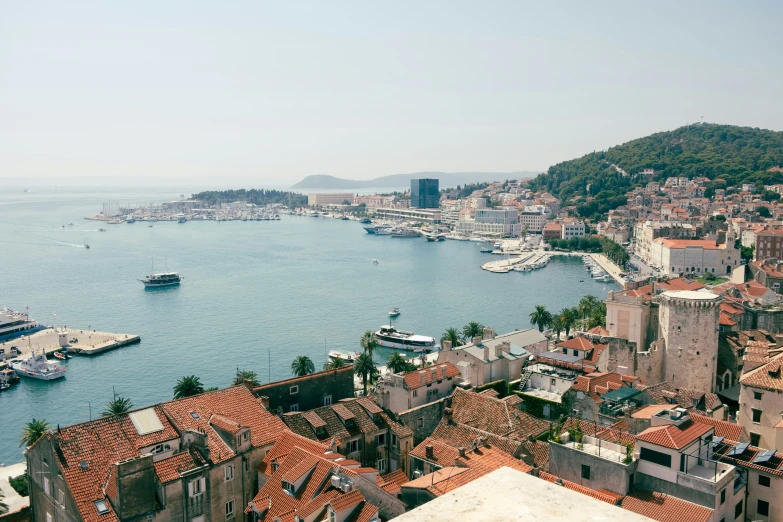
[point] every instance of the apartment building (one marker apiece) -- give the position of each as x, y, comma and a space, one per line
191, 459
329, 199
532, 221
761, 403
403, 391
769, 243
693, 256
308, 391
572, 228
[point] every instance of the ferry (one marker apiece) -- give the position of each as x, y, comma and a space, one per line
347, 357
389, 337
162, 279
35, 366
14, 324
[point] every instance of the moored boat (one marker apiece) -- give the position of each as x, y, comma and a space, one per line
395, 312
36, 366
389, 337
347, 357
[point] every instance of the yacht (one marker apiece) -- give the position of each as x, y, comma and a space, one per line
87, 246
395, 312
162, 279
485, 250
36, 366
181, 218
348, 357
389, 337
375, 229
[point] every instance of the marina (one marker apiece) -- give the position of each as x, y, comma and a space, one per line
51, 340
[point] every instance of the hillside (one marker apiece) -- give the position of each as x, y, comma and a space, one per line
732, 154
447, 179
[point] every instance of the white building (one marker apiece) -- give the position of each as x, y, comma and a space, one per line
677, 256
403, 391
491, 222
335, 198
761, 404
533, 221
419, 215
572, 228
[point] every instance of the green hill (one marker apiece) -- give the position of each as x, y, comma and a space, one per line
726, 153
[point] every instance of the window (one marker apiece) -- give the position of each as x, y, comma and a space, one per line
394, 440
683, 462
61, 496
381, 465
48, 517
722, 497
763, 481
229, 472
585, 472
738, 509
656, 457
196, 487
353, 446
46, 484
553, 382
101, 506
327, 400
415, 393
381, 439
245, 436
293, 390
289, 487
762, 507
756, 396
295, 407
420, 422
230, 509
246, 464
332, 515
756, 416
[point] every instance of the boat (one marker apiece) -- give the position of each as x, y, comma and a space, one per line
36, 366
395, 312
14, 324
61, 355
389, 337
404, 232
4, 386
87, 246
162, 279
485, 250
8, 377
348, 357
365, 221
374, 261
101, 230
430, 237
149, 226
181, 218
130, 219
376, 229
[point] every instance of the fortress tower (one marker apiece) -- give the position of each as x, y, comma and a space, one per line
689, 327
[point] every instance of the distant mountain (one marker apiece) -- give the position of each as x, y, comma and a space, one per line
728, 154
447, 180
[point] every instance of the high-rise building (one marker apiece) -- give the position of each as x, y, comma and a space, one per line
425, 193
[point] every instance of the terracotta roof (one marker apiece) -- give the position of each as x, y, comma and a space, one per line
665, 508
539, 451
314, 420
603, 495
494, 416
461, 435
674, 437
259, 390
684, 243
598, 383
598, 330
723, 428
431, 374
656, 391
768, 376
172, 468
347, 500
225, 424
391, 482
286, 443
577, 343
443, 454
773, 466
343, 412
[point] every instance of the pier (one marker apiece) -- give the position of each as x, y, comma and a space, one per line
84, 342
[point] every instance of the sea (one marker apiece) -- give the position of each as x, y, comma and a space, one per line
255, 295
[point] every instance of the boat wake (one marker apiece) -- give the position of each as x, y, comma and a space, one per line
66, 244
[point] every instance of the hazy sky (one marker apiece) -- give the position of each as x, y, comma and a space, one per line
267, 93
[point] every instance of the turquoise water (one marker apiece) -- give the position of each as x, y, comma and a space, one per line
299, 286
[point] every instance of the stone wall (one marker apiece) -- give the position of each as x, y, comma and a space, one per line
423, 420
622, 356
389, 506
311, 390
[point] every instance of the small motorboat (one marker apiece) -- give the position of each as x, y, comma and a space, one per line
61, 355
395, 312
101, 230
149, 226
374, 261
486, 250
347, 357
86, 246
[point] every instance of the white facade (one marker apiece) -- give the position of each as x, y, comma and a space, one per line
572, 228
693, 256
336, 198
532, 221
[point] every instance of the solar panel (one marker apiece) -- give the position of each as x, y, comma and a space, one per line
739, 449
716, 441
764, 456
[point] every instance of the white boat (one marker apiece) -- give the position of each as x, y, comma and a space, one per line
405, 232
101, 230
383, 231
348, 357
395, 312
181, 218
130, 219
36, 366
389, 337
162, 279
374, 261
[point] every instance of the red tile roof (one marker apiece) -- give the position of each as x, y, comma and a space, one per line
665, 508
683, 243
443, 454
598, 330
674, 437
431, 374
723, 428
768, 376
494, 416
172, 468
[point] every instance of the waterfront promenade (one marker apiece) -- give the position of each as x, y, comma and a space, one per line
84, 342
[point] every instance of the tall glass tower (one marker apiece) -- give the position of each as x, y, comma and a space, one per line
425, 193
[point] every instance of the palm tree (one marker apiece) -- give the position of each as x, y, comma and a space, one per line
32, 431
471, 330
397, 363
541, 317
334, 363
586, 305
187, 386
116, 406
302, 366
596, 319
557, 325
368, 342
568, 318
246, 375
451, 335
365, 367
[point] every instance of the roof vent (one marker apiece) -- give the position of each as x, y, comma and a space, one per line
83, 465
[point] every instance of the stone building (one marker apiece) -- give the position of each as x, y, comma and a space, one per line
400, 392
358, 429
761, 403
309, 391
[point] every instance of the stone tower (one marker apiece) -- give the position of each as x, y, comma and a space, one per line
689, 327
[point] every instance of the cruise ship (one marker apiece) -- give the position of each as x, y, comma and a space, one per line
14, 324
162, 279
390, 337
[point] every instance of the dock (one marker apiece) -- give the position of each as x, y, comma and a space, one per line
609, 267
83, 342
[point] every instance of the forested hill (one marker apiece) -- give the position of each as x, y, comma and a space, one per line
255, 196
726, 153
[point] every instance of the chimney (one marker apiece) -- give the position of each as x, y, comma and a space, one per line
477, 340
498, 350
248, 384
505, 346
489, 333
428, 452
462, 452
447, 412
486, 353
264, 401
446, 346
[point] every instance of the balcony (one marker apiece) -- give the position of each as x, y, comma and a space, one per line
600, 448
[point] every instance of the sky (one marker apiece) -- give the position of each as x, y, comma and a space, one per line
252, 93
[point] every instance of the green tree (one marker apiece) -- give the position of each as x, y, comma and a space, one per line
333, 363
302, 366
764, 212
32, 431
557, 325
397, 363
452, 335
471, 330
20, 484
540, 317
747, 253
598, 318
116, 406
586, 306
364, 367
246, 375
188, 386
368, 342
3, 505
568, 318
